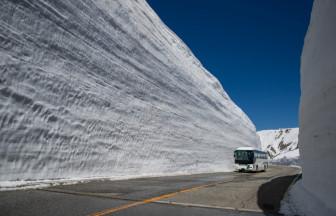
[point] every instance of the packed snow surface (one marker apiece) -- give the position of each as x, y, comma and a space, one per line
281, 145
104, 89
315, 195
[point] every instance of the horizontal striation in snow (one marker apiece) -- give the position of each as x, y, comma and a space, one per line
104, 88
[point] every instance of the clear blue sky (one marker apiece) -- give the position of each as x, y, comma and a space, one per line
252, 46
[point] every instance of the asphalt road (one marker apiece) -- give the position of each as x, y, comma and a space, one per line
228, 194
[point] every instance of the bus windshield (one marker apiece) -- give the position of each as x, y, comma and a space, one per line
243, 157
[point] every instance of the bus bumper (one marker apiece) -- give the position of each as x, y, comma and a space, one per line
244, 167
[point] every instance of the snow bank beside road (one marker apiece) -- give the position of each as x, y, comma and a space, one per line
315, 195
103, 89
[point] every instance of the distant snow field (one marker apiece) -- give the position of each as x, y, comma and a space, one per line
281, 145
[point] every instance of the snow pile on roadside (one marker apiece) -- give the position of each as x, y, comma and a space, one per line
315, 194
301, 202
281, 145
103, 88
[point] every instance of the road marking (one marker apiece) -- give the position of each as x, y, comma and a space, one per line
209, 206
151, 200
99, 195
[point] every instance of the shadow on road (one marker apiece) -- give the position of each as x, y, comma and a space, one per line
271, 193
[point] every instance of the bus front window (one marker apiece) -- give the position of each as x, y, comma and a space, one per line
243, 157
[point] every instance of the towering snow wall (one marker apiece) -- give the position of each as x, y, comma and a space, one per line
316, 194
104, 88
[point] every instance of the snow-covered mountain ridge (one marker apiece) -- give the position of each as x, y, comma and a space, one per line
280, 144
104, 89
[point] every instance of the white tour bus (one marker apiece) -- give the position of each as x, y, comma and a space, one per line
250, 159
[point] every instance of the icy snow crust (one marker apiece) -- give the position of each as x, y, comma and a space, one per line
315, 195
281, 145
105, 89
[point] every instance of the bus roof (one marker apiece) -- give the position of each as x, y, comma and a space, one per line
249, 149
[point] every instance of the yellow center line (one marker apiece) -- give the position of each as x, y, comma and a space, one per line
150, 200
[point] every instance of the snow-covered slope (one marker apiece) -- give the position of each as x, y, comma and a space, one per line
104, 88
315, 194
281, 144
